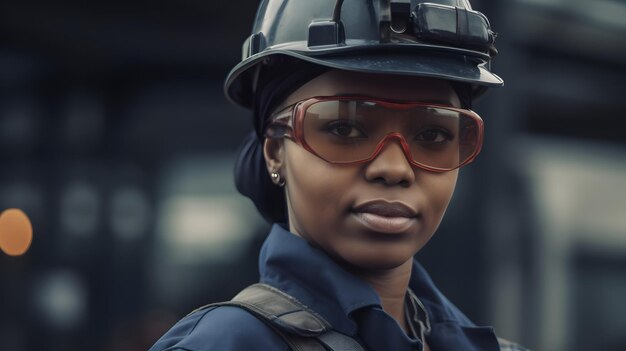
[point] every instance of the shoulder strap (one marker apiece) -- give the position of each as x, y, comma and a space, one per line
300, 327
283, 310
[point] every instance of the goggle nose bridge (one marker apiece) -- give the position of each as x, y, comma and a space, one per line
385, 141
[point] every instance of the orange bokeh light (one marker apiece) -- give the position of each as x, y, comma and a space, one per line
16, 232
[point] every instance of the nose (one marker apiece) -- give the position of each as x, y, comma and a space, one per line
390, 166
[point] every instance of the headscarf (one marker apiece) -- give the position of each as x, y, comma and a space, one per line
251, 176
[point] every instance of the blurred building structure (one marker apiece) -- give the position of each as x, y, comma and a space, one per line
116, 140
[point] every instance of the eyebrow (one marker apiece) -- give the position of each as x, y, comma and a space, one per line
283, 107
427, 101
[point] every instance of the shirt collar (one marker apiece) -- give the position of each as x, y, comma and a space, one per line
450, 328
291, 264
439, 308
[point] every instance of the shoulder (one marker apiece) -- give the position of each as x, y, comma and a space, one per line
220, 328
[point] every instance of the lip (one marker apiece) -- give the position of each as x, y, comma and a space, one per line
386, 209
385, 217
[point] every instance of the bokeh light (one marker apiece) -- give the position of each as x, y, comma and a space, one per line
16, 232
61, 300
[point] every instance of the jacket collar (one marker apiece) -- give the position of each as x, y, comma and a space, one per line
349, 304
291, 264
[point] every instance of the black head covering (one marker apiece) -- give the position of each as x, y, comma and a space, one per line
251, 176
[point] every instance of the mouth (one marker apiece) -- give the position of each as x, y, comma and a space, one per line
385, 217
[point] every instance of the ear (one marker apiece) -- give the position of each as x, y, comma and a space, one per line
274, 152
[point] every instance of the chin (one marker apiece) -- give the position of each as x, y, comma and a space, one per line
376, 259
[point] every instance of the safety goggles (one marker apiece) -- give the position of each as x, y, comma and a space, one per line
354, 130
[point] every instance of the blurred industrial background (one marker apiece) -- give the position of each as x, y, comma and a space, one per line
117, 142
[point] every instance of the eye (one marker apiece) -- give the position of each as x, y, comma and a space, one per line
434, 135
344, 129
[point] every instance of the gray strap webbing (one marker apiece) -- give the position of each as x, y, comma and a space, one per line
300, 327
338, 342
283, 310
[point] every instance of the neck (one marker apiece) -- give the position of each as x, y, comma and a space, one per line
391, 286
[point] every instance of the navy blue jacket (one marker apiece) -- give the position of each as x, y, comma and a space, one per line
352, 307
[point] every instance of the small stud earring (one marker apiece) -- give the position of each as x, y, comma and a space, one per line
277, 179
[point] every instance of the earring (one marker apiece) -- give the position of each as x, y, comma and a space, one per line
277, 179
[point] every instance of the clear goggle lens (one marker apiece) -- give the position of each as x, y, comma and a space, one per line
355, 130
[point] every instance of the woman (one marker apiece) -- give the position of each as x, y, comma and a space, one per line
362, 121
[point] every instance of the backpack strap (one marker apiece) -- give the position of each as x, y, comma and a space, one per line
299, 326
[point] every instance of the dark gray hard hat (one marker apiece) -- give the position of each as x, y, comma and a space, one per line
439, 38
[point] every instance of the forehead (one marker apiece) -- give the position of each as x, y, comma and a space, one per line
334, 83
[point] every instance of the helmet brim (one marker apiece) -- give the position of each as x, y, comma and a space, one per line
463, 66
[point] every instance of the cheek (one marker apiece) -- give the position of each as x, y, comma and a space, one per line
439, 188
315, 190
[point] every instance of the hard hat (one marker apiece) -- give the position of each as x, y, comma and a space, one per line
439, 38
